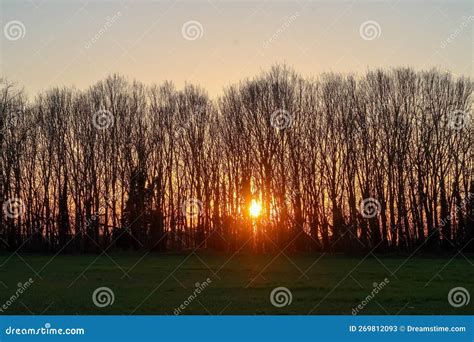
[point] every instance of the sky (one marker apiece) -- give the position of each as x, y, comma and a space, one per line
214, 44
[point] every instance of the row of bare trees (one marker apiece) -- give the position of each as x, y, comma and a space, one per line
339, 163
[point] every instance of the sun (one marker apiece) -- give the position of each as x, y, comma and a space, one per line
255, 208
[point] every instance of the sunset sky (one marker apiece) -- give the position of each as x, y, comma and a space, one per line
79, 42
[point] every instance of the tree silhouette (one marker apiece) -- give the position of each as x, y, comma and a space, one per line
380, 162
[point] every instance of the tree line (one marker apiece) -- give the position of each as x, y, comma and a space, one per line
375, 162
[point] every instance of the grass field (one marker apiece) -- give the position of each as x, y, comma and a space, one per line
241, 284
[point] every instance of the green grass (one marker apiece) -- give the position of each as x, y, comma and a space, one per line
241, 284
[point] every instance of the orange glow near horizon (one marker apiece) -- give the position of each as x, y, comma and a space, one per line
255, 208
